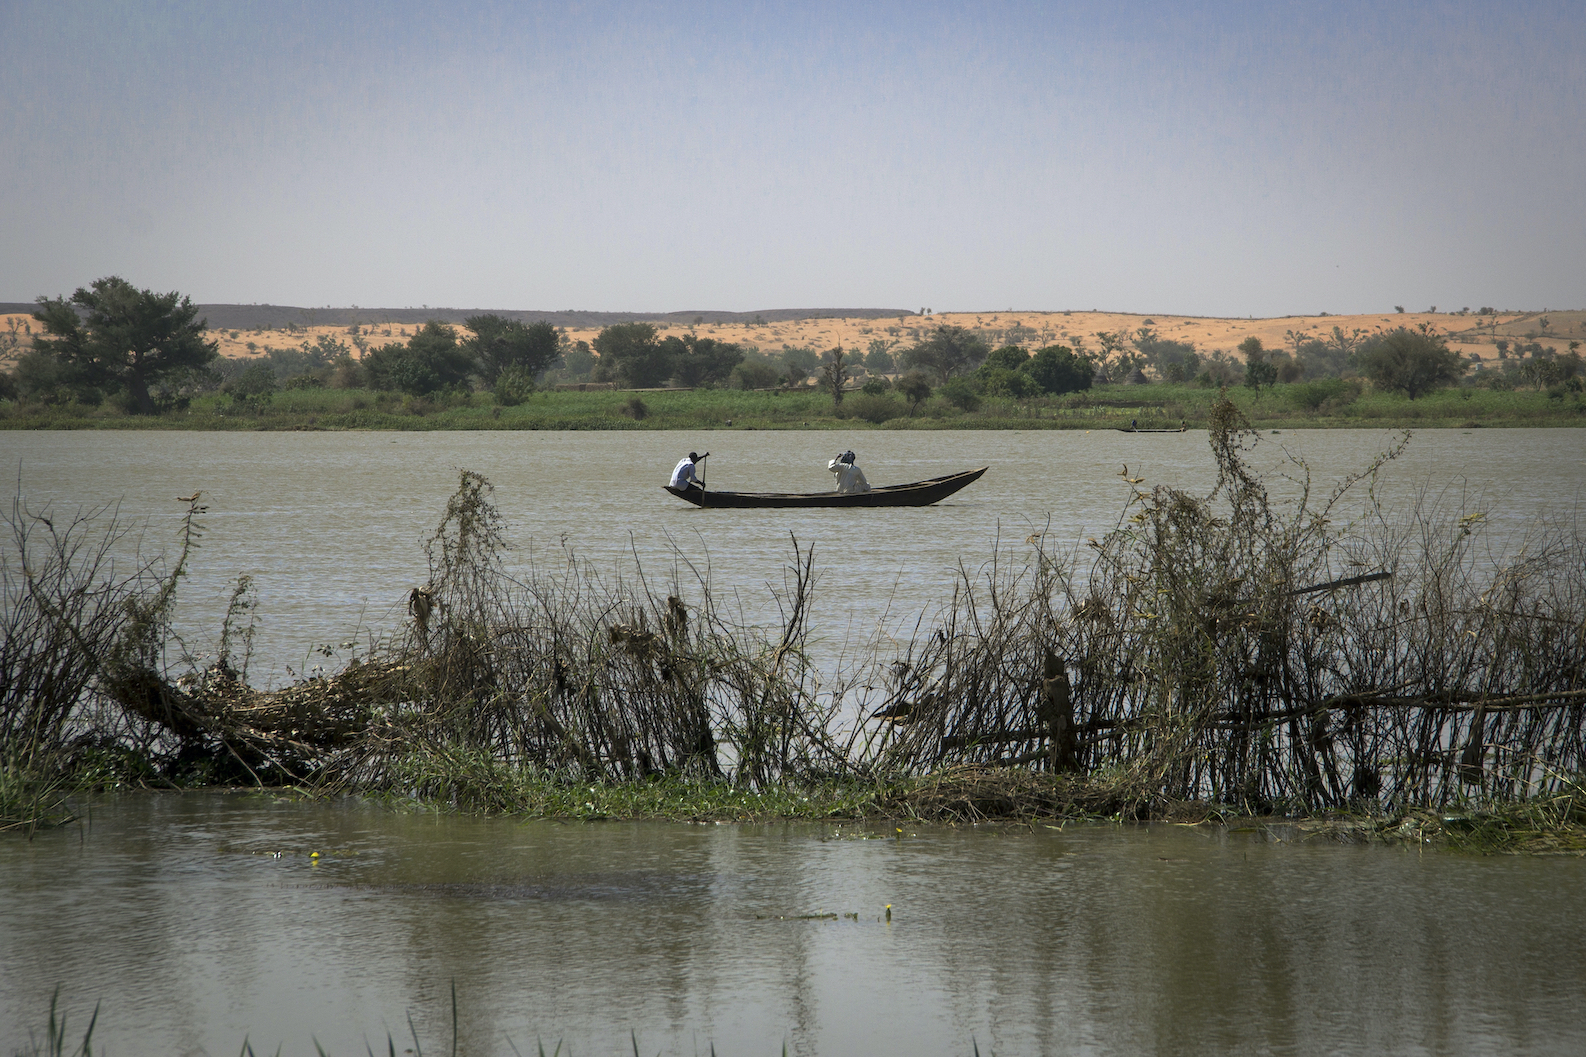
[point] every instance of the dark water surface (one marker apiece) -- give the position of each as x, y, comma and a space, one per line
177, 914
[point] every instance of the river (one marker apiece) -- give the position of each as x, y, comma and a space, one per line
331, 526
199, 919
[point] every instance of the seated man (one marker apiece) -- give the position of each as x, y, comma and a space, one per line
850, 478
683, 475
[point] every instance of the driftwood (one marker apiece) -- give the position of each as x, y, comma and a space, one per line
295, 730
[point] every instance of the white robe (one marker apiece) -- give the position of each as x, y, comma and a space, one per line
850, 478
683, 473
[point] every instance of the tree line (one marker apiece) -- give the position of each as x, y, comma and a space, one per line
149, 350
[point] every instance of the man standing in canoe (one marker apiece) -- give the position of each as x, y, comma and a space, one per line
683, 475
850, 478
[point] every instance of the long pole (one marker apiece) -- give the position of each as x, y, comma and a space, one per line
702, 459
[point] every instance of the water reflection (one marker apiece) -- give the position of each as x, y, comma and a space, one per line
177, 913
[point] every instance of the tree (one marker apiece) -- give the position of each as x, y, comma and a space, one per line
960, 392
498, 343
430, 360
630, 354
1005, 373
916, 388
1175, 361
48, 379
754, 374
800, 364
1115, 359
120, 336
950, 350
578, 360
1345, 344
1259, 371
835, 374
701, 361
1298, 338
1411, 361
1057, 370
878, 360
1321, 359
1007, 358
254, 384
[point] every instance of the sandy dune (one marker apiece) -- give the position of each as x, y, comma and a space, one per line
1467, 333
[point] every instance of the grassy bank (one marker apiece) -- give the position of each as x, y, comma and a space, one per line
1216, 655
1320, 404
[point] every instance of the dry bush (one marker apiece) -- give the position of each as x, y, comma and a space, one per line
1221, 649
1224, 650
569, 672
72, 619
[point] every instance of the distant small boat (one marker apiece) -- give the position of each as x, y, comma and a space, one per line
1131, 429
920, 493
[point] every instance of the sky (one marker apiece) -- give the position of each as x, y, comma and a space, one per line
1199, 158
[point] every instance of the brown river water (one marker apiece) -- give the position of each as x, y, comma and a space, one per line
198, 920
331, 526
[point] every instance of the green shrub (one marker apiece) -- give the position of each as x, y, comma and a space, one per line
753, 374
961, 393
513, 386
1308, 396
1000, 381
872, 407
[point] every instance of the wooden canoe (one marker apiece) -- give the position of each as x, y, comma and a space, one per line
920, 493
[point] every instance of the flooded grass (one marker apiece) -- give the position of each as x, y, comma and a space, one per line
1155, 406
1214, 654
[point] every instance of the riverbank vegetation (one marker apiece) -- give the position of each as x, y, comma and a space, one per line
1319, 404
82, 371
1386, 673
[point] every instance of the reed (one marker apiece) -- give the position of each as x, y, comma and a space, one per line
54, 1041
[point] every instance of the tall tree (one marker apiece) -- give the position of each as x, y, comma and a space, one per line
1057, 370
1411, 361
835, 373
1174, 361
697, 361
799, 364
630, 354
948, 351
126, 337
431, 360
1259, 371
916, 388
498, 343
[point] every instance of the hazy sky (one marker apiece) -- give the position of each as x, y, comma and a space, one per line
1210, 158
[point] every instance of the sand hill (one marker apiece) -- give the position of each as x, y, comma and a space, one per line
858, 329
